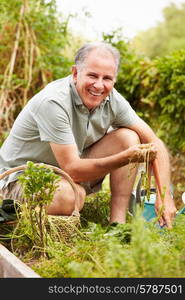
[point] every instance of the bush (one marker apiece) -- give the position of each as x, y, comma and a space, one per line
31, 56
156, 90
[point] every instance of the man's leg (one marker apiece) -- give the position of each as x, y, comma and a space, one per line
63, 202
122, 179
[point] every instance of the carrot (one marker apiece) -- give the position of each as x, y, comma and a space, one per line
157, 177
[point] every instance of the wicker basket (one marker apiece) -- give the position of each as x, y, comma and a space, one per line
58, 171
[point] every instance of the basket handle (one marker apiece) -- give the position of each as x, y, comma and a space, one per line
56, 170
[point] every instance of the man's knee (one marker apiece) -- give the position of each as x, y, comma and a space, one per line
61, 204
81, 196
66, 200
127, 137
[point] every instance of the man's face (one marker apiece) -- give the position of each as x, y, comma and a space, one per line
95, 79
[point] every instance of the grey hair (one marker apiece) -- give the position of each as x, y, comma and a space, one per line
83, 52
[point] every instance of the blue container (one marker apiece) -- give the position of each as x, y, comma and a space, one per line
149, 207
139, 197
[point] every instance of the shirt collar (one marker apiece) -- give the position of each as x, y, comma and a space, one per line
77, 99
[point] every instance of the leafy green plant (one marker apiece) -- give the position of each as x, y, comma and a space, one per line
96, 208
39, 184
138, 249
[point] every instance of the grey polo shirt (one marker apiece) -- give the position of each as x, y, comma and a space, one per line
57, 114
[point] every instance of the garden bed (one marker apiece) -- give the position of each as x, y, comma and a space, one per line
93, 248
136, 249
12, 267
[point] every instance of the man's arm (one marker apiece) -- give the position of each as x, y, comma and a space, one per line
88, 169
161, 169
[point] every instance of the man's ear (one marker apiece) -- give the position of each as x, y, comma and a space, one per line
74, 73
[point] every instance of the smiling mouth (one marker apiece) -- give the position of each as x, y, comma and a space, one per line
95, 94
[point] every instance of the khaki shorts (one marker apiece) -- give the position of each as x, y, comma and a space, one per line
92, 187
14, 189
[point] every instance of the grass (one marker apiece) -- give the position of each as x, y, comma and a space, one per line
135, 249
98, 250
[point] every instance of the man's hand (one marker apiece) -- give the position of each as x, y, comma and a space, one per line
142, 153
166, 209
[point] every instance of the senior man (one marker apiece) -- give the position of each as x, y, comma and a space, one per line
67, 124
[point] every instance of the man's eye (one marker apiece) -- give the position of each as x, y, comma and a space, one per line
108, 79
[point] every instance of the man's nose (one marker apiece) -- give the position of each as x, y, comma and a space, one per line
98, 84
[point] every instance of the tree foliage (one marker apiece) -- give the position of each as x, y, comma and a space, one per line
32, 40
156, 90
167, 36
36, 48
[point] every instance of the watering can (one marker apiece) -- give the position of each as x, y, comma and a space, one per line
139, 196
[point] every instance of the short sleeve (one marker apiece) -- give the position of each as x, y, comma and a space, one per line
53, 123
124, 113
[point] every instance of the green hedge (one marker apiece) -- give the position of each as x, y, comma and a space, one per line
156, 90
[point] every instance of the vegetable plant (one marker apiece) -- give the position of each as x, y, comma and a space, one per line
39, 184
